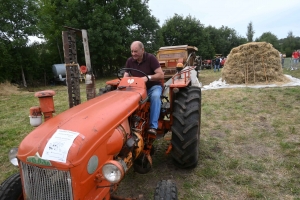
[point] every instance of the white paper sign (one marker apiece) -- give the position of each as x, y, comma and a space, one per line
58, 146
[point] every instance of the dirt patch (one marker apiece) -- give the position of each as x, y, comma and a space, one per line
256, 150
9, 89
217, 134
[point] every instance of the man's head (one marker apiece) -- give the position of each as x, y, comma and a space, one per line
137, 50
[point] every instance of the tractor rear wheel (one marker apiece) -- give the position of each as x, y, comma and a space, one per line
11, 188
104, 90
165, 189
186, 127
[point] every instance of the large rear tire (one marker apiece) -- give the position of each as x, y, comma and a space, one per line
166, 190
186, 127
104, 90
11, 188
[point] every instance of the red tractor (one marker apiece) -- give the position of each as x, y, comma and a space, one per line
207, 64
85, 151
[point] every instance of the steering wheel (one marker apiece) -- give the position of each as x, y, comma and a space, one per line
123, 69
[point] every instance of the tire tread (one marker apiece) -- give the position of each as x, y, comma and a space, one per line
186, 127
165, 190
11, 188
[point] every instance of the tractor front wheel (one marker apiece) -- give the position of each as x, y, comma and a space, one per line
11, 188
186, 127
165, 189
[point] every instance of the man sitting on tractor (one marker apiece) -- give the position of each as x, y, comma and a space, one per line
148, 64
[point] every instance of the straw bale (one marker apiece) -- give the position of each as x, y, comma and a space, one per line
253, 63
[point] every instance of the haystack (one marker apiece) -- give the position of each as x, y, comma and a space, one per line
253, 63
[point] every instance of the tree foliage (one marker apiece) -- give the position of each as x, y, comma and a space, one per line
186, 31
17, 22
223, 40
111, 25
289, 44
270, 38
209, 41
250, 32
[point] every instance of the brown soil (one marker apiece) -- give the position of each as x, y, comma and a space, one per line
9, 89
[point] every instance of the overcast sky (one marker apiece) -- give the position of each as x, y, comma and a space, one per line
276, 16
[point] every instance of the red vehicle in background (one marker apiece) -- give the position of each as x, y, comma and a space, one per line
206, 64
222, 62
209, 64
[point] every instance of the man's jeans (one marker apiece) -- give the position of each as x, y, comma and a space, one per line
154, 94
295, 60
295, 63
217, 67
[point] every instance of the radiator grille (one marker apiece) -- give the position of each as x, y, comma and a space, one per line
46, 184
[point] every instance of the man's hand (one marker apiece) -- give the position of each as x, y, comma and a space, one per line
145, 78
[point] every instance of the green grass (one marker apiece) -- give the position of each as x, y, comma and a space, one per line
249, 143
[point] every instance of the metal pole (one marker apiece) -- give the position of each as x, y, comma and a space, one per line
89, 77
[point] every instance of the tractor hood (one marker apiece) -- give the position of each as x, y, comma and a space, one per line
84, 127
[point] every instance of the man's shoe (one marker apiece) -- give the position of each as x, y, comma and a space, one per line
152, 131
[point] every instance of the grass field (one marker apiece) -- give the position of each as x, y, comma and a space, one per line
249, 143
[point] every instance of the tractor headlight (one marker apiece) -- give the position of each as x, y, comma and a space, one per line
12, 156
113, 171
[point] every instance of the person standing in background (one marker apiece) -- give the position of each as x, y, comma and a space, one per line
295, 57
217, 64
282, 59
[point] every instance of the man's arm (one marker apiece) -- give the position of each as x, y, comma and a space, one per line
158, 75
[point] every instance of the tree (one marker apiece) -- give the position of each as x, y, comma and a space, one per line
53, 16
111, 25
6, 61
146, 28
181, 31
270, 38
222, 40
250, 32
290, 43
17, 22
213, 36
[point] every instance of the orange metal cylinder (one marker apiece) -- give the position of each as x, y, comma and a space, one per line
35, 111
46, 103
